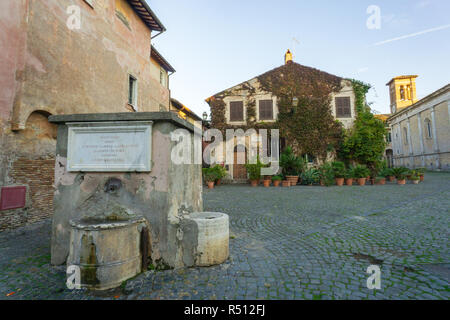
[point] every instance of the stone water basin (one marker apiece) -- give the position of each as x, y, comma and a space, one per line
106, 252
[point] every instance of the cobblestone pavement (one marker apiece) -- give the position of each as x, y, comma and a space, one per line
286, 243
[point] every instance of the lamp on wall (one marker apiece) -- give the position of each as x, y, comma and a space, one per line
295, 101
205, 116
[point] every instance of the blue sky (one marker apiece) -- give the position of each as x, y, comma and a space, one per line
215, 44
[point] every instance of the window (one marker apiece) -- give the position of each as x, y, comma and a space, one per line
428, 128
237, 111
343, 108
402, 93
408, 92
389, 137
132, 91
265, 110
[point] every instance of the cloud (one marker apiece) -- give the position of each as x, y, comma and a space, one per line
412, 35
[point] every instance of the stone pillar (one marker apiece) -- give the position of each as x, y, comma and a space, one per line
411, 158
435, 139
422, 148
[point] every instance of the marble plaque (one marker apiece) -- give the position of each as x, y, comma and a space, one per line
123, 146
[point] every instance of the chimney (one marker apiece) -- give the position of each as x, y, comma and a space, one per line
288, 57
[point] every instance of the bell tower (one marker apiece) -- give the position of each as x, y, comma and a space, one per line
288, 57
402, 91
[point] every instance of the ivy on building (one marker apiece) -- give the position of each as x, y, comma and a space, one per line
304, 107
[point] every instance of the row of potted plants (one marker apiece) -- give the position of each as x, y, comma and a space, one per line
337, 173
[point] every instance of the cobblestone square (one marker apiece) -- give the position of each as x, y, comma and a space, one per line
286, 243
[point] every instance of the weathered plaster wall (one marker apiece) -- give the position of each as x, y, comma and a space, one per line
85, 70
46, 68
160, 96
162, 196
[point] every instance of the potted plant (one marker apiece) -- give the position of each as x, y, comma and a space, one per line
361, 172
291, 165
380, 180
221, 173
276, 181
421, 173
400, 174
266, 182
339, 172
415, 178
254, 172
310, 176
286, 183
387, 174
326, 175
349, 176
210, 175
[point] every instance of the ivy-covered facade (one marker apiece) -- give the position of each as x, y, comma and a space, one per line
309, 107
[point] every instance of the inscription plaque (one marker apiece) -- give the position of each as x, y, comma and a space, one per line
109, 146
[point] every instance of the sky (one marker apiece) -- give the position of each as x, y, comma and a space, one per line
216, 44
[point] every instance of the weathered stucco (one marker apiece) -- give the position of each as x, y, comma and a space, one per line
163, 196
46, 69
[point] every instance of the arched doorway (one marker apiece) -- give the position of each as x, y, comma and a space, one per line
35, 163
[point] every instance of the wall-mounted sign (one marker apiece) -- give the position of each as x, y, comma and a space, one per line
13, 197
123, 146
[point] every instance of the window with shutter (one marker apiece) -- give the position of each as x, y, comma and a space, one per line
237, 111
265, 110
343, 107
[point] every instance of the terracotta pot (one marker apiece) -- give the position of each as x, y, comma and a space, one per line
210, 184
381, 182
266, 183
292, 179
401, 182
362, 181
276, 183
339, 181
391, 178
422, 178
254, 183
349, 181
286, 183
218, 182
415, 181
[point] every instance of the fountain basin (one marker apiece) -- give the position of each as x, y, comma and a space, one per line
213, 237
107, 253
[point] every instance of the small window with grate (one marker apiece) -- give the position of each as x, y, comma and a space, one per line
132, 91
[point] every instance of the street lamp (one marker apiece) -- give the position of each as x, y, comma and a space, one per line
205, 116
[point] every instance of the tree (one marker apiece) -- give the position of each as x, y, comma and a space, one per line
365, 142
